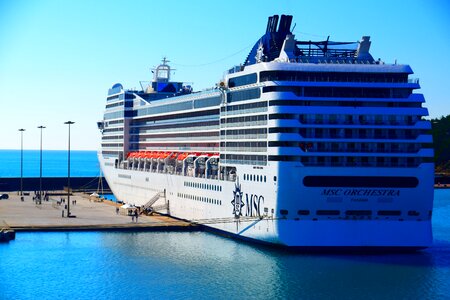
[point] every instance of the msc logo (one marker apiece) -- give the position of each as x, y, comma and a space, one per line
252, 203
237, 200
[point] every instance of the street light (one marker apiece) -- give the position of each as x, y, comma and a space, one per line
21, 161
68, 172
40, 169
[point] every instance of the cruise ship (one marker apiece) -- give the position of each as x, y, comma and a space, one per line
309, 144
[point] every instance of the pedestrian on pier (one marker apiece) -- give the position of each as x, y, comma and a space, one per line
117, 210
132, 217
136, 215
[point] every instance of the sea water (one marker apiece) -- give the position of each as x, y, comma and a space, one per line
200, 265
54, 163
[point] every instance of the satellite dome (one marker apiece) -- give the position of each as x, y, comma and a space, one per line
117, 86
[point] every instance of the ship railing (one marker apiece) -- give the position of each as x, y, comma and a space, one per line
319, 58
177, 129
245, 149
245, 111
244, 162
244, 136
245, 124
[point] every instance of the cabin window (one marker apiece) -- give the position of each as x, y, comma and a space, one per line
242, 80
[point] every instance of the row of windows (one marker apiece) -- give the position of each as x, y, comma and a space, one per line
214, 101
329, 212
243, 159
342, 92
191, 104
169, 126
348, 119
114, 115
352, 147
112, 137
253, 105
346, 133
144, 137
243, 119
164, 108
172, 118
121, 103
333, 76
257, 178
243, 95
244, 144
112, 145
114, 104
200, 198
205, 186
110, 98
242, 80
344, 103
117, 129
115, 122
174, 146
243, 131
354, 161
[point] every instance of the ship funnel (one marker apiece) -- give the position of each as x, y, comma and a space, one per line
285, 24
363, 49
272, 24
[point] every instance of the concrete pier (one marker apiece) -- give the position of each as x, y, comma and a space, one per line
26, 215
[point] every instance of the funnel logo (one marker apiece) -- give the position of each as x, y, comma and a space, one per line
237, 200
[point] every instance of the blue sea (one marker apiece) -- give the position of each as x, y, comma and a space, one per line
54, 163
200, 265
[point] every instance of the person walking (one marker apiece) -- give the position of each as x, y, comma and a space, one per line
136, 215
117, 210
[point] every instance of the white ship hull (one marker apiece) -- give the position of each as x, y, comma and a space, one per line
307, 144
211, 203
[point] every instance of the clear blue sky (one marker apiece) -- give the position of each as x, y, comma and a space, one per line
58, 58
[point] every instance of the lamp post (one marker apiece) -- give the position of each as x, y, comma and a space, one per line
40, 168
21, 161
68, 172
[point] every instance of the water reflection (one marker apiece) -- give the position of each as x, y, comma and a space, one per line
117, 265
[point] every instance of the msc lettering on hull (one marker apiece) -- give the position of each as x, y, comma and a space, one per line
360, 192
252, 203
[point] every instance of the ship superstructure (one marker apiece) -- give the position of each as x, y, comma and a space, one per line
306, 144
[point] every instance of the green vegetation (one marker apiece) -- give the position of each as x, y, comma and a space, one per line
441, 138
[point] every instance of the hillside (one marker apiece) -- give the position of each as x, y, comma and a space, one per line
441, 138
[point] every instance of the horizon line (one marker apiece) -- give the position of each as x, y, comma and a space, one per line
50, 149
